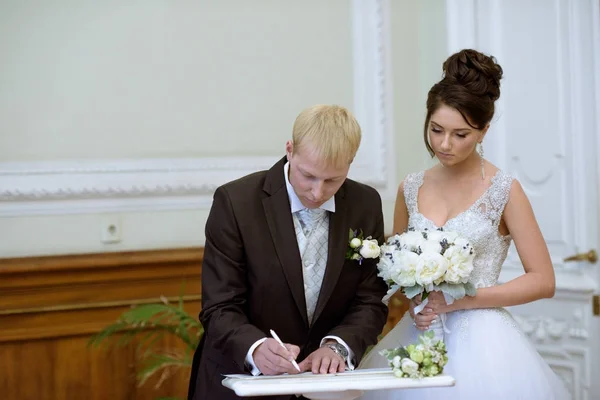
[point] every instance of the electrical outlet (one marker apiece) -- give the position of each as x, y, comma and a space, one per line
110, 229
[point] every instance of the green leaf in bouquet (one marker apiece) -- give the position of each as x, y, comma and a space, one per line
403, 353
350, 235
470, 289
455, 291
413, 291
397, 351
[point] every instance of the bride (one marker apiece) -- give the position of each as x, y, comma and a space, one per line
488, 355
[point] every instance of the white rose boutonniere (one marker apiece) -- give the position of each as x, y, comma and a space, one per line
360, 248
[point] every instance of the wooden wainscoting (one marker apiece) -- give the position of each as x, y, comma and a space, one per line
50, 307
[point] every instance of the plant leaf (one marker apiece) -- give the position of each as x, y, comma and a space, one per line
455, 291
470, 289
412, 291
157, 362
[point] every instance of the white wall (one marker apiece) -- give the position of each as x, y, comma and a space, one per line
179, 80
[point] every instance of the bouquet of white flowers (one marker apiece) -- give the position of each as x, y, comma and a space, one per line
421, 262
425, 359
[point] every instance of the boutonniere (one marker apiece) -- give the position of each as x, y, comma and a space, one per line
359, 248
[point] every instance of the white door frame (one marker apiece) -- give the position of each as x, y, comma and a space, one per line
563, 328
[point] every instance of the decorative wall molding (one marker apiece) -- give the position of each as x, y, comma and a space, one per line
82, 186
554, 338
545, 134
572, 364
77, 180
543, 328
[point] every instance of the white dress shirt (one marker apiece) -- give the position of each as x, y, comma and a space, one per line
296, 205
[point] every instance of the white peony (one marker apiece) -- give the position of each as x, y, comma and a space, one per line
406, 268
431, 246
370, 248
430, 267
385, 264
464, 246
451, 236
436, 236
393, 239
459, 267
411, 240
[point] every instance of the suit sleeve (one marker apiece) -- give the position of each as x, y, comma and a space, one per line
367, 315
225, 284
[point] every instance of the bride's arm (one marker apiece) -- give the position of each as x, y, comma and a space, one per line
538, 281
400, 225
400, 211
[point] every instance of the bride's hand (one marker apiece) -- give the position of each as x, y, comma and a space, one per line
437, 303
415, 301
422, 319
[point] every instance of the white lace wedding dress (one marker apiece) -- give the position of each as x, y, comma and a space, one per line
488, 354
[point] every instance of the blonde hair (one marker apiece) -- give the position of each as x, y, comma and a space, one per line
331, 131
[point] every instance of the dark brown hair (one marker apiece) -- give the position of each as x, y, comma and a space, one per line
470, 84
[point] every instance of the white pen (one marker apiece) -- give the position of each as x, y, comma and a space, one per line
294, 363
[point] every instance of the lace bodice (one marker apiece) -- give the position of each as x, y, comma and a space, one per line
479, 223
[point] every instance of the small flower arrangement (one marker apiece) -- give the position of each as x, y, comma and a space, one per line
359, 248
425, 359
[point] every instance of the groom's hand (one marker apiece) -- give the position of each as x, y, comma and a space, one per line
323, 361
272, 359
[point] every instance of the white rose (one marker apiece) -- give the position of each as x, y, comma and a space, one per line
396, 362
354, 243
431, 246
408, 366
430, 267
411, 240
370, 248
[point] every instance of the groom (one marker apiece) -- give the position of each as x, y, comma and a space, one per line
275, 258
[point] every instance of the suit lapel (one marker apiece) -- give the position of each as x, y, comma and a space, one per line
281, 226
338, 242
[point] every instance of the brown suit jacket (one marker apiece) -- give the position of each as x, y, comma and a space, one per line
252, 278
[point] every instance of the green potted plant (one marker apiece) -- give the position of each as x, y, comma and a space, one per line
148, 323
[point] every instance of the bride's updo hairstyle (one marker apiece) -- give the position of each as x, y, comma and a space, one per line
471, 85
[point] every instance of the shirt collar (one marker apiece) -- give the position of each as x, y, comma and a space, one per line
295, 202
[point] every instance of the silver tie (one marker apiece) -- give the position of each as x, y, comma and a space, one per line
313, 245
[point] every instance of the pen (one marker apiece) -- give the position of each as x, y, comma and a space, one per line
282, 345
